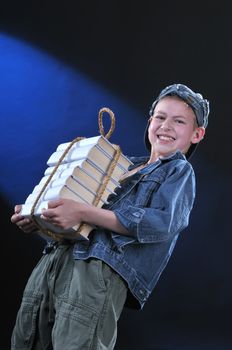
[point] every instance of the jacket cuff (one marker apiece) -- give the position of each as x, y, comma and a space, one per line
130, 219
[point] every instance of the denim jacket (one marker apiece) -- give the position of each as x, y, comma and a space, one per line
154, 205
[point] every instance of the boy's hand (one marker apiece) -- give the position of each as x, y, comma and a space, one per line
64, 213
25, 224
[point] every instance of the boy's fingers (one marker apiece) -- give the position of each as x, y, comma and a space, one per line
15, 218
47, 214
18, 208
29, 228
23, 222
55, 203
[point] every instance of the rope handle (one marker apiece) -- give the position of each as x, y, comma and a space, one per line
100, 122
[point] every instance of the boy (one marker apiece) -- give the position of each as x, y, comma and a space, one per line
76, 293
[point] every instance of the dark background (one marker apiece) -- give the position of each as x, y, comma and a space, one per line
133, 50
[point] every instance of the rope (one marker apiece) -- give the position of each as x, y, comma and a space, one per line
49, 233
100, 123
107, 176
102, 187
104, 184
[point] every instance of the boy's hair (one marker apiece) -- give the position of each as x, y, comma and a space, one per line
199, 105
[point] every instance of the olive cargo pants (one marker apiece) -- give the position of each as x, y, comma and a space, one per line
69, 304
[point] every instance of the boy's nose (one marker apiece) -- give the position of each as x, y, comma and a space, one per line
166, 125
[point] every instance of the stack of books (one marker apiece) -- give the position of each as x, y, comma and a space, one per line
80, 176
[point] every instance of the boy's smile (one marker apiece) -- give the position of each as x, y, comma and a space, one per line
172, 127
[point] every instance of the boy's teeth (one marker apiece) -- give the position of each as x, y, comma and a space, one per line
166, 138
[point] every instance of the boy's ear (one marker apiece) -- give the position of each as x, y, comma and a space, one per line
199, 134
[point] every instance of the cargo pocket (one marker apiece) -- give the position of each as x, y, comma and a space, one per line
74, 326
25, 327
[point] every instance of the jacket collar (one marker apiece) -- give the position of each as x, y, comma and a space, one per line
144, 159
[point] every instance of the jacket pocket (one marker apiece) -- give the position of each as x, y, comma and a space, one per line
120, 241
25, 328
146, 187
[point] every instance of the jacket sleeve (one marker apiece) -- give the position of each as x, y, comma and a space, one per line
168, 211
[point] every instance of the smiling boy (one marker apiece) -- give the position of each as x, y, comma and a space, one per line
76, 293
173, 126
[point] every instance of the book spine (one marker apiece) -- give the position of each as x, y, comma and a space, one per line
75, 154
82, 143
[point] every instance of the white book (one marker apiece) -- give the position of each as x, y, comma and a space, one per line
80, 149
89, 167
74, 154
83, 142
80, 176
100, 153
71, 189
64, 166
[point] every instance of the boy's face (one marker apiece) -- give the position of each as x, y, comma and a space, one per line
173, 127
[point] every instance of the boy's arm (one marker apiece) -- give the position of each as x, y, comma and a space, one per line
67, 213
168, 211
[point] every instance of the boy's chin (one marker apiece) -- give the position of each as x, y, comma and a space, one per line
165, 151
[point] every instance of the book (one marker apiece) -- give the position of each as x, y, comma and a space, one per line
47, 229
83, 172
70, 189
98, 151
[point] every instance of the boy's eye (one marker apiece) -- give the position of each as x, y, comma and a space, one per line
180, 121
161, 117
